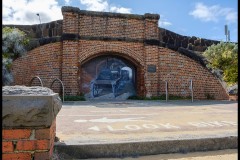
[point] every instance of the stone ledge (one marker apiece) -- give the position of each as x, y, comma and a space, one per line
25, 107
110, 14
70, 9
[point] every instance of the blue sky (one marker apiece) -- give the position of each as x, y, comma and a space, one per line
200, 18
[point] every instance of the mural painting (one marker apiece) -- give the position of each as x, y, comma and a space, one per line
108, 77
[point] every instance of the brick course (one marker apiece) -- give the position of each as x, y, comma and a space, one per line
28, 143
132, 37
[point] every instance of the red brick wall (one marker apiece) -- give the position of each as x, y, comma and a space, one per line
111, 27
70, 67
29, 143
178, 69
63, 60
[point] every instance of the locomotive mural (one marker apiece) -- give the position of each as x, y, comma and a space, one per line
108, 76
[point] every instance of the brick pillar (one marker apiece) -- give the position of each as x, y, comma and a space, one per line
151, 76
70, 67
70, 50
70, 19
29, 124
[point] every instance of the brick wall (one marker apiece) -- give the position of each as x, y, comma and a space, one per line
136, 38
31, 143
44, 61
178, 70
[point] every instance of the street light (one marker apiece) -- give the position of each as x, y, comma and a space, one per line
40, 24
227, 33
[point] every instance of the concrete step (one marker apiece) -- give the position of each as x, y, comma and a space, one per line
136, 149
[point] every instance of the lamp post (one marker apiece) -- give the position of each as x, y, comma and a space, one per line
40, 24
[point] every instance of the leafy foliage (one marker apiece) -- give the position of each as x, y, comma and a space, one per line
13, 46
224, 56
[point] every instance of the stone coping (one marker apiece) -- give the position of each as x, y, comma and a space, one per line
20, 110
110, 14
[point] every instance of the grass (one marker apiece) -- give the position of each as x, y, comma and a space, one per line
73, 98
209, 96
162, 97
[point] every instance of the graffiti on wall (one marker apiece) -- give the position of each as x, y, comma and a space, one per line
108, 76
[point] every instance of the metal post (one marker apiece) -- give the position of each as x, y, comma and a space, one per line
57, 79
40, 25
166, 88
30, 83
226, 32
191, 87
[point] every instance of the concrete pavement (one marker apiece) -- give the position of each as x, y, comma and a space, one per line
128, 128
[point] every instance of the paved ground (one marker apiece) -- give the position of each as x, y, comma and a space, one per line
134, 128
126, 121
229, 154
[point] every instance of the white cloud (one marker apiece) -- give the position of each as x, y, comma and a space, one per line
163, 22
24, 11
120, 9
232, 17
67, 2
213, 13
95, 5
103, 5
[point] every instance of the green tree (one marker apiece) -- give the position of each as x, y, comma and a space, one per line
224, 56
13, 46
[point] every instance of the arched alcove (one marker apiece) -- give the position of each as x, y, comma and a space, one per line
108, 76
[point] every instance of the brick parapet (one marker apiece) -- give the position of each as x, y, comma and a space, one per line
29, 122
27, 144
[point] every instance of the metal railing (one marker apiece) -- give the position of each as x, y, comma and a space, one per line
166, 89
191, 88
57, 79
30, 83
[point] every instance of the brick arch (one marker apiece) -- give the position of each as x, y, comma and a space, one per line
98, 50
115, 50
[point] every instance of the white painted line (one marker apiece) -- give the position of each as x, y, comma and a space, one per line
110, 115
95, 128
109, 111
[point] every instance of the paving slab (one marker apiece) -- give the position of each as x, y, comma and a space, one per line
118, 128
